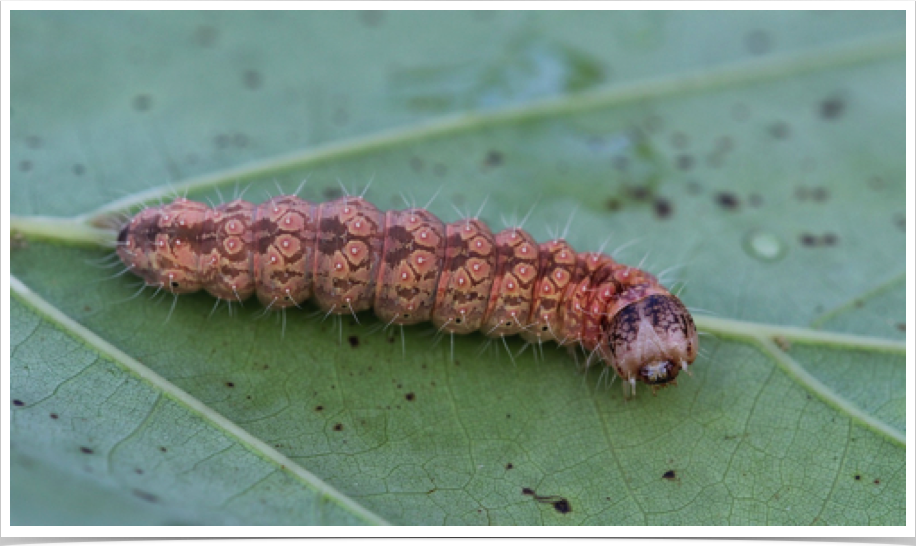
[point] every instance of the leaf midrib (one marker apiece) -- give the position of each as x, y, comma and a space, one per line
166, 388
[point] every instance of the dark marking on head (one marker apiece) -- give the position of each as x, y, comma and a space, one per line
354, 341
831, 108
728, 201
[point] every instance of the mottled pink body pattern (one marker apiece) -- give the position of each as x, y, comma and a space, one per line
410, 267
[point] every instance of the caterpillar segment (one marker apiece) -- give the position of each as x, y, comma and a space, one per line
410, 267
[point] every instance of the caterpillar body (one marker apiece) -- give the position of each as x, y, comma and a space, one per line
411, 267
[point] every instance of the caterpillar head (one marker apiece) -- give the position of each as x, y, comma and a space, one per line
651, 340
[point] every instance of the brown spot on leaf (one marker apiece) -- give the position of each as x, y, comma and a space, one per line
663, 208
142, 102
354, 341
338, 427
509, 466
728, 201
669, 475
494, 158
410, 397
251, 79
831, 108
757, 42
230, 384
148, 497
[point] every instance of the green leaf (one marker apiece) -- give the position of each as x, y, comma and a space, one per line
760, 154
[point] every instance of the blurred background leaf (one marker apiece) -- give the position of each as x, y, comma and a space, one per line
757, 158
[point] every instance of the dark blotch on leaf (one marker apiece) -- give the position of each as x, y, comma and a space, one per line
251, 79
18, 403
354, 341
230, 384
820, 194
510, 466
669, 475
410, 397
901, 326
685, 162
163, 449
832, 108
527, 491
148, 497
562, 506
142, 102
78, 169
54, 416
757, 42
338, 427
494, 159
612, 204
807, 239
640, 193
319, 408
780, 130
25, 165
87, 450
858, 477
663, 208
829, 239
728, 201
205, 35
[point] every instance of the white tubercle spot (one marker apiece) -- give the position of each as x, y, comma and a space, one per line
288, 220
285, 244
476, 267
523, 270
479, 244
461, 282
546, 288
467, 228
607, 293
338, 266
420, 259
563, 255
181, 223
524, 249
346, 210
404, 276
165, 217
413, 219
424, 235
354, 251
559, 274
232, 226
273, 259
357, 225
510, 285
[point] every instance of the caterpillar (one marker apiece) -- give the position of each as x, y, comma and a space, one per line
410, 267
